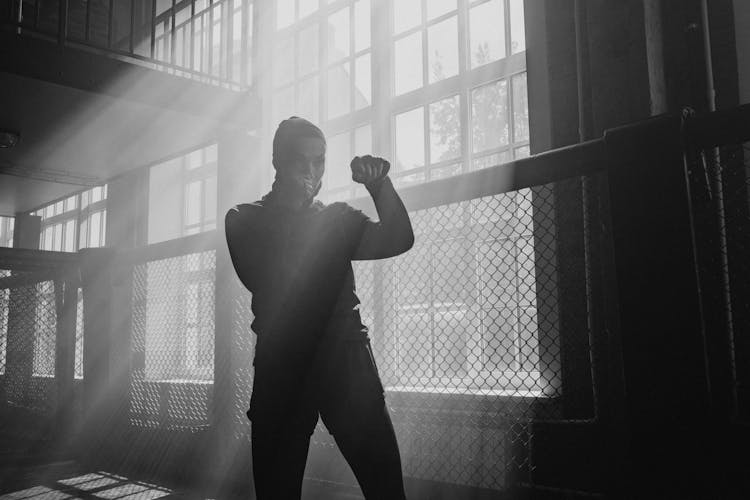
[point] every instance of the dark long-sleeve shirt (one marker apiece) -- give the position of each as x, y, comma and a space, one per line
297, 264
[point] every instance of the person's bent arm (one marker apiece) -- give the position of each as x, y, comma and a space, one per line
392, 234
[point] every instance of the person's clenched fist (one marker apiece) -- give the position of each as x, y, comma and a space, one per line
368, 169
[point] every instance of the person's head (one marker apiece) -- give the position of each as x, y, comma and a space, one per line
299, 149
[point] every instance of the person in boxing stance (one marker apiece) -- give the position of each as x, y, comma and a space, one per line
313, 354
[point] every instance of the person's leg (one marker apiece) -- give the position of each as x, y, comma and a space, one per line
279, 457
283, 417
372, 452
356, 415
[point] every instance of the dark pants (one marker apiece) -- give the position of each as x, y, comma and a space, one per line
338, 381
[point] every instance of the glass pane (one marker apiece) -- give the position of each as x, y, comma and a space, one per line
309, 98
284, 13
363, 83
520, 109
162, 6
193, 203
436, 8
447, 171
361, 25
408, 63
83, 234
194, 159
97, 194
409, 140
489, 115
517, 29
442, 44
308, 49
406, 14
94, 225
283, 105
283, 64
71, 203
490, 160
307, 7
338, 35
445, 129
103, 234
338, 157
487, 33
59, 207
211, 154
210, 201
58, 243
70, 236
522, 152
339, 83
363, 141
409, 180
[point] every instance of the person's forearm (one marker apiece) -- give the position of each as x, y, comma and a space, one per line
393, 216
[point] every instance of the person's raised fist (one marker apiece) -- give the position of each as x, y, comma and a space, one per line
369, 170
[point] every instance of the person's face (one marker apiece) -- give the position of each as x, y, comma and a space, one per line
304, 164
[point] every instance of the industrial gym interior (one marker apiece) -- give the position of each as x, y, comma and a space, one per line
573, 320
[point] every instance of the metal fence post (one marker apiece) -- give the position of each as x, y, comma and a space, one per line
666, 390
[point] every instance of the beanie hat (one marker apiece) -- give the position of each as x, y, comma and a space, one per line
289, 131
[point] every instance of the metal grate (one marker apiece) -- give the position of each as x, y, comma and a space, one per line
30, 334
78, 367
467, 333
4, 308
720, 191
459, 310
173, 341
243, 350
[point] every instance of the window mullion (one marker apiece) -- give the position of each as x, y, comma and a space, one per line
463, 65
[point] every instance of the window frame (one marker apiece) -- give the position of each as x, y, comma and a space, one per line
385, 105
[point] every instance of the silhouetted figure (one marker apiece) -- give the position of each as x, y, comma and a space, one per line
313, 353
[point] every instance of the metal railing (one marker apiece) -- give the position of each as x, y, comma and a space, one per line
205, 40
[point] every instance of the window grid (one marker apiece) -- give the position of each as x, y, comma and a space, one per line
288, 82
209, 37
498, 80
78, 221
509, 68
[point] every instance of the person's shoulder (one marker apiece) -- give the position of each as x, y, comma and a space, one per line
343, 209
244, 212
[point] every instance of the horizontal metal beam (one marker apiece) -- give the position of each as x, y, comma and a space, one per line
581, 159
57, 176
22, 259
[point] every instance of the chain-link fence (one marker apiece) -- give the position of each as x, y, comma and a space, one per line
31, 392
721, 200
173, 341
467, 333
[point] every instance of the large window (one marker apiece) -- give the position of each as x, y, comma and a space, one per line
79, 221
182, 195
455, 92
322, 71
179, 292
439, 87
